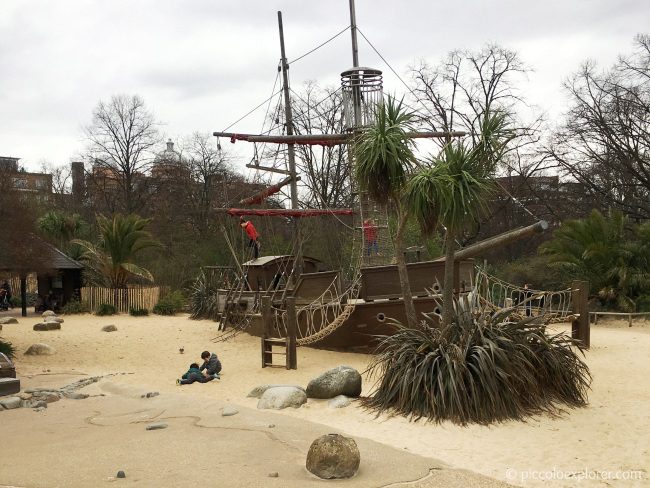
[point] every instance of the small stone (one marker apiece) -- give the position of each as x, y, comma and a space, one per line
8, 320
54, 319
109, 328
121, 474
152, 394
39, 349
48, 313
156, 426
258, 391
229, 411
73, 395
25, 396
51, 398
340, 401
274, 474
39, 404
12, 402
42, 326
271, 426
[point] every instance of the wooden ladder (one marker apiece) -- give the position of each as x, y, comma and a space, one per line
288, 344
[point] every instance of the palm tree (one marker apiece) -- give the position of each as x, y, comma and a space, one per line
62, 228
383, 159
453, 191
121, 238
606, 250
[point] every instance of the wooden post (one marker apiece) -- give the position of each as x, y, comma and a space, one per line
267, 357
580, 328
23, 294
292, 328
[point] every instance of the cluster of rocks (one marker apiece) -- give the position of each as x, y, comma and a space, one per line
339, 385
39, 398
50, 321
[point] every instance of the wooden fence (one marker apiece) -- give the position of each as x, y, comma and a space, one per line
122, 299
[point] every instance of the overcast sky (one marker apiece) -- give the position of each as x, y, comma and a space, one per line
201, 64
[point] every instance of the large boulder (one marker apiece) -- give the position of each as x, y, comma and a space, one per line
48, 313
258, 391
333, 456
47, 326
343, 380
280, 397
39, 349
53, 319
8, 320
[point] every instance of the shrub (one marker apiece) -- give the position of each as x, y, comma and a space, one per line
7, 348
138, 312
106, 309
170, 304
74, 307
15, 302
481, 369
203, 298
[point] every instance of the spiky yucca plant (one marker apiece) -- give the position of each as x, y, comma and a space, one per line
480, 369
203, 298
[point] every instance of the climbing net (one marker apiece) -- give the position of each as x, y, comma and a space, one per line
493, 294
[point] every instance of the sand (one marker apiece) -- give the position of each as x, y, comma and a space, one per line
85, 442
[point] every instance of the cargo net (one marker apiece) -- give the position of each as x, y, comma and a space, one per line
491, 293
322, 316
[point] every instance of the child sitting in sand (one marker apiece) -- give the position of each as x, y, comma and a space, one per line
211, 364
193, 374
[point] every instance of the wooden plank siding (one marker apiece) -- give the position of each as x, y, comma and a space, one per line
122, 299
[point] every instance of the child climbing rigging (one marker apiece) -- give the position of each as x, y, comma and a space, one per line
370, 235
252, 234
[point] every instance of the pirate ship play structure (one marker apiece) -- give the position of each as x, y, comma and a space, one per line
288, 300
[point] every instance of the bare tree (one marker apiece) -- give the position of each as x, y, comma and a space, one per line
61, 183
604, 144
121, 139
325, 169
210, 170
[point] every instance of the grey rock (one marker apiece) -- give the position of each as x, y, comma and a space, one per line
156, 426
73, 395
271, 426
41, 326
333, 456
340, 401
109, 328
258, 391
121, 474
150, 394
342, 380
8, 320
48, 313
39, 349
39, 404
53, 319
274, 474
280, 397
229, 411
12, 402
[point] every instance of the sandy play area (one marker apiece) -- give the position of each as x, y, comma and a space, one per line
85, 442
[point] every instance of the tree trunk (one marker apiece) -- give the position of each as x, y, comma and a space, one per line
448, 286
23, 294
409, 306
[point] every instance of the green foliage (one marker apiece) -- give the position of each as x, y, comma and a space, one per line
106, 309
61, 228
480, 369
15, 301
75, 307
535, 270
203, 298
609, 252
170, 304
7, 348
138, 312
383, 154
110, 262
